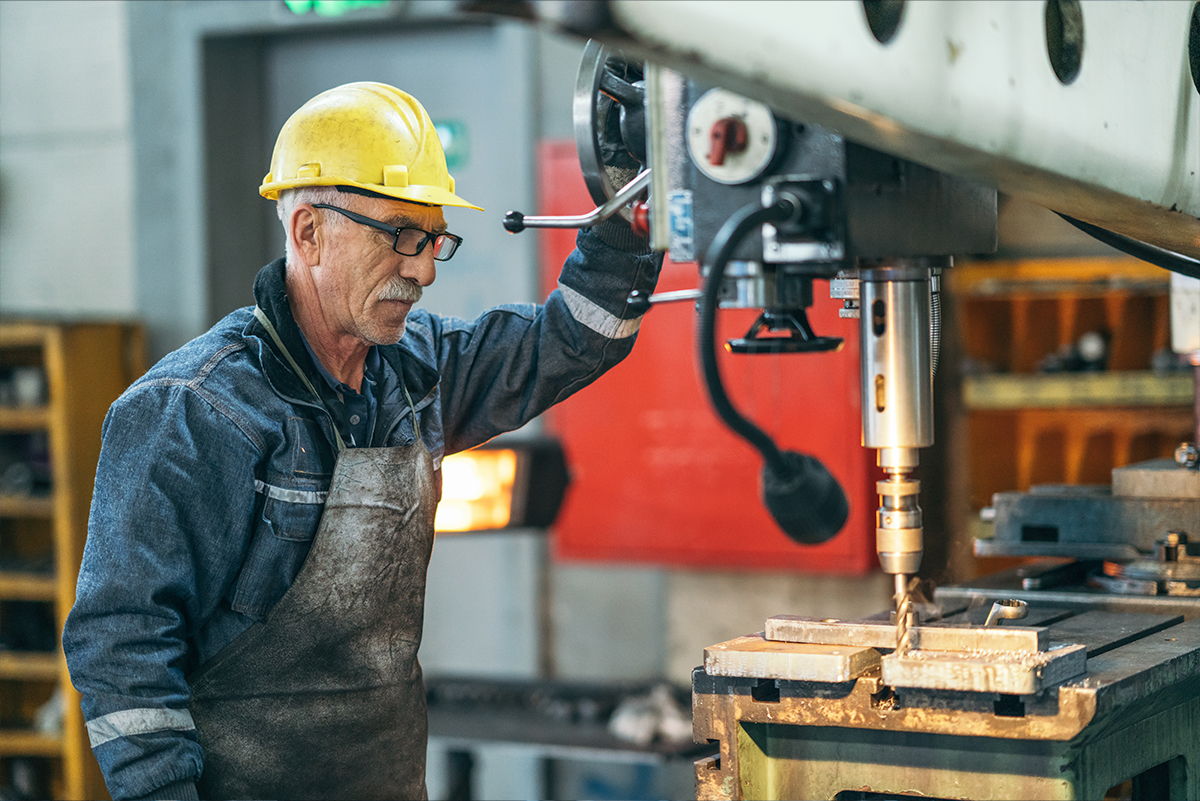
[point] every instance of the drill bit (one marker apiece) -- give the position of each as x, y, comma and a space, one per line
904, 614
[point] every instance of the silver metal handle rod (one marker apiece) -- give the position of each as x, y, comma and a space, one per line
676, 295
515, 221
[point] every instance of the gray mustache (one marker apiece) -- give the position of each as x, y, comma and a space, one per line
400, 288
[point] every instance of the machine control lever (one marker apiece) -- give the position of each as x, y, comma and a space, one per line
728, 135
515, 222
639, 302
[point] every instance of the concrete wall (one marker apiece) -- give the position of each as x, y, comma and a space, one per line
66, 180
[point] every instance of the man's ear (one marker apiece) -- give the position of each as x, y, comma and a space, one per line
303, 230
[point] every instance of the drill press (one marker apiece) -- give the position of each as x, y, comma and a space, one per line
1088, 691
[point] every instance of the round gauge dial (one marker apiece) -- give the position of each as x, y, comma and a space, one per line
731, 139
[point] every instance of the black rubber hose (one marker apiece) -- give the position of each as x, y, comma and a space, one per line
719, 253
1159, 257
803, 497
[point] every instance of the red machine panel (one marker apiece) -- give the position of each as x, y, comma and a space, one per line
655, 476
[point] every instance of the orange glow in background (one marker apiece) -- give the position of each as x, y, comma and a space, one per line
476, 490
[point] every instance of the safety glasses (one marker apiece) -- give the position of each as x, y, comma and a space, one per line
405, 241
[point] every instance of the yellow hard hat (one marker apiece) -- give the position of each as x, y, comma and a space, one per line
367, 135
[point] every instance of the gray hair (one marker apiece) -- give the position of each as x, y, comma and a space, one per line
290, 198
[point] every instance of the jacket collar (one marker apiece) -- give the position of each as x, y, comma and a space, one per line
271, 296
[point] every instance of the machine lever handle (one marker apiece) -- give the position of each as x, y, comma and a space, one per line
515, 222
640, 302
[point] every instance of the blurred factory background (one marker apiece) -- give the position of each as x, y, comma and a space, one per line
133, 137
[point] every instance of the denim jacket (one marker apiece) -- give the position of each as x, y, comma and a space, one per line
215, 466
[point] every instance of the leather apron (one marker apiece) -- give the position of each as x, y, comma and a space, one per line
325, 699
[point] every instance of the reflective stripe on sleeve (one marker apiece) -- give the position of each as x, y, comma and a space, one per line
596, 318
129, 722
289, 495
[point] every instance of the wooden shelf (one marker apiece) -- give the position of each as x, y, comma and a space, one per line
19, 742
24, 418
1071, 276
18, 586
1016, 427
1057, 390
37, 506
29, 665
24, 335
86, 366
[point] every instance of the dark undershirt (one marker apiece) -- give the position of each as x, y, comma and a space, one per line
354, 414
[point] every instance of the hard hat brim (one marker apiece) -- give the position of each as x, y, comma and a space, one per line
425, 195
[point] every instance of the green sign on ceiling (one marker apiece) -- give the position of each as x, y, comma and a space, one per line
332, 8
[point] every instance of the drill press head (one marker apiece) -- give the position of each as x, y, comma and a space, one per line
861, 215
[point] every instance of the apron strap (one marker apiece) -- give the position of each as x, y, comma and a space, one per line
341, 445
262, 318
413, 409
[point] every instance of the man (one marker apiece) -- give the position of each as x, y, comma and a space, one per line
250, 601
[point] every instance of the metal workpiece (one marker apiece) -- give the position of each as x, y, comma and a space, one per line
1133, 712
993, 672
758, 657
930, 637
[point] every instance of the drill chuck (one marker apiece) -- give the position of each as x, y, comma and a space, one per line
898, 527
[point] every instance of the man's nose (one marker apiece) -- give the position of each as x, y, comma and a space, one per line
420, 268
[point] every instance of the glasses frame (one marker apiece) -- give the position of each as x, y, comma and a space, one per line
428, 236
